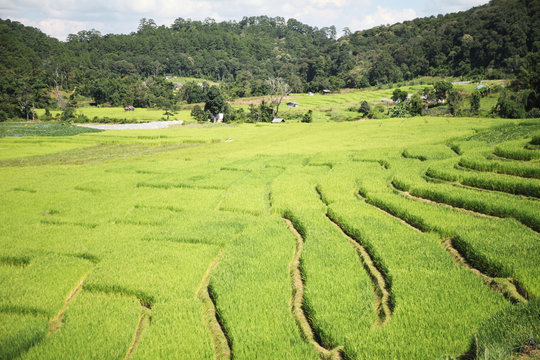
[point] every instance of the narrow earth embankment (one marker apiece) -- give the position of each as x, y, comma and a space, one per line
222, 345
298, 311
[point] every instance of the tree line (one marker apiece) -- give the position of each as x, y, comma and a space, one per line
491, 41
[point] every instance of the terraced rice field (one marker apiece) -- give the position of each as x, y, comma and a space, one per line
385, 239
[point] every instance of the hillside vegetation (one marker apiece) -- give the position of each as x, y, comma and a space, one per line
491, 41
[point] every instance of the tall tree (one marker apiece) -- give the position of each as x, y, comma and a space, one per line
214, 101
475, 101
442, 89
279, 89
399, 95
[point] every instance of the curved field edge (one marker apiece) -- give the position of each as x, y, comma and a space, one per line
129, 221
298, 310
222, 346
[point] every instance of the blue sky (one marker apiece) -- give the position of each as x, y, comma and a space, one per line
59, 18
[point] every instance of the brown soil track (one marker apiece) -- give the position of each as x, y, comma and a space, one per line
56, 323
428, 201
381, 286
222, 346
459, 184
505, 286
297, 308
410, 226
464, 210
144, 322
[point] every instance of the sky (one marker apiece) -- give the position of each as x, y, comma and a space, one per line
58, 18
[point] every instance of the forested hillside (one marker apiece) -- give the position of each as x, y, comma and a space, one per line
489, 41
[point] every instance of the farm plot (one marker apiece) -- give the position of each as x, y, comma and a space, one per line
282, 244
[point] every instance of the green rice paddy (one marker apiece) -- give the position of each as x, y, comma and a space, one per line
408, 238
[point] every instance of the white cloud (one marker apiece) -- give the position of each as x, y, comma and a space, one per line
383, 16
323, 3
448, 6
58, 28
61, 17
61, 28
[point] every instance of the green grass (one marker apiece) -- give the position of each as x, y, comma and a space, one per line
337, 288
501, 167
481, 240
396, 248
41, 129
507, 131
508, 332
113, 318
23, 289
488, 203
486, 180
252, 298
19, 333
429, 152
105, 229
517, 150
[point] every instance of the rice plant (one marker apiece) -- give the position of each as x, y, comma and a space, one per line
145, 244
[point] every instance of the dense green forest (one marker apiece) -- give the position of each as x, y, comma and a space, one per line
500, 39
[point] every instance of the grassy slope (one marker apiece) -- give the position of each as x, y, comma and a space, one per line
141, 231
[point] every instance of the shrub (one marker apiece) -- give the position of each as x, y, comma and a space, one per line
507, 107
47, 115
415, 105
400, 110
308, 117
455, 102
475, 102
442, 88
3, 116
364, 108
399, 95
198, 114
79, 118
533, 113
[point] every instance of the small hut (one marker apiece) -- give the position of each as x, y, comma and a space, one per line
217, 119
